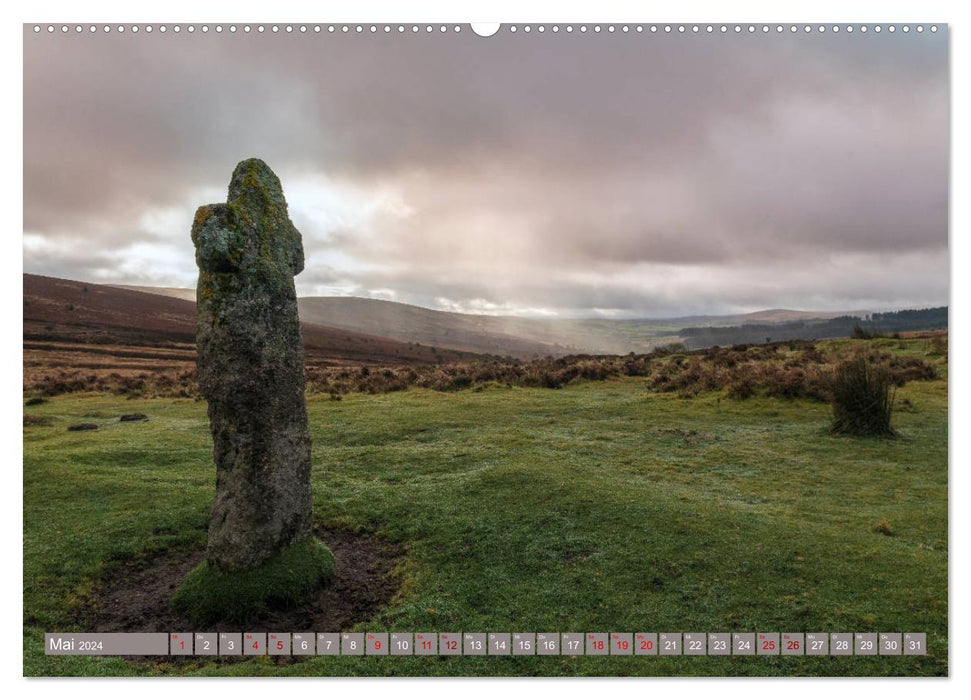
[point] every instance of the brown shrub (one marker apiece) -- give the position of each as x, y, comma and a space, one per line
883, 527
794, 369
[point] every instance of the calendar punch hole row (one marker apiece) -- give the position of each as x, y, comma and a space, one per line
490, 644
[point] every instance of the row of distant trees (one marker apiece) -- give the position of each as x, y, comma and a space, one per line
817, 329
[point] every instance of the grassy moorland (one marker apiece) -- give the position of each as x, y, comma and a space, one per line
599, 506
90, 337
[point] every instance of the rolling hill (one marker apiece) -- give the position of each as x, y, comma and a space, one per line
77, 317
177, 292
509, 335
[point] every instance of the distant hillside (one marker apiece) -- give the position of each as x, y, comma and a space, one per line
509, 335
177, 292
818, 329
472, 333
414, 324
783, 316
517, 336
94, 313
64, 312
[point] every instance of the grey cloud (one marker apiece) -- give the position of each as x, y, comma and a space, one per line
864, 282
523, 157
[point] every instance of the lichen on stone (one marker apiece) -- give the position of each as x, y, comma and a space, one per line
251, 370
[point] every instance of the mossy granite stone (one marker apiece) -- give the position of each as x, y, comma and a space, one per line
251, 370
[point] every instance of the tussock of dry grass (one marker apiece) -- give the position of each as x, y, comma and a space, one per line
793, 369
883, 527
862, 399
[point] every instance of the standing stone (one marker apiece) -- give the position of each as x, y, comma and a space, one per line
251, 370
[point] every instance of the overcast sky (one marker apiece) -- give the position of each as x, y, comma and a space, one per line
531, 174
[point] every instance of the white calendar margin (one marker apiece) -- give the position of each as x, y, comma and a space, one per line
508, 11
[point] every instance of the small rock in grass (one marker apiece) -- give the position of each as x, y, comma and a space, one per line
83, 426
133, 416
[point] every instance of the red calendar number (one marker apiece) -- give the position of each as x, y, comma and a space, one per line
768, 645
452, 645
622, 645
598, 645
793, 645
647, 645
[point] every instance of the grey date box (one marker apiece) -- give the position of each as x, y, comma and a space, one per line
376, 643
523, 643
767, 644
571, 643
915, 643
205, 643
793, 644
474, 644
597, 644
303, 644
841, 644
645, 644
743, 643
669, 644
817, 643
402, 644
352, 644
230, 643
695, 643
719, 644
278, 644
254, 643
328, 644
865, 643
426, 644
891, 644
548, 643
499, 644
450, 643
621, 644
180, 643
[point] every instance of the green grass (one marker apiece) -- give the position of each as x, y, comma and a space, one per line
582, 509
290, 577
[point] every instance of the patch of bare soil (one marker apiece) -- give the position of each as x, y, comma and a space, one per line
136, 597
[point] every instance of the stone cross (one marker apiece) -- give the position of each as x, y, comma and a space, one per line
251, 370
